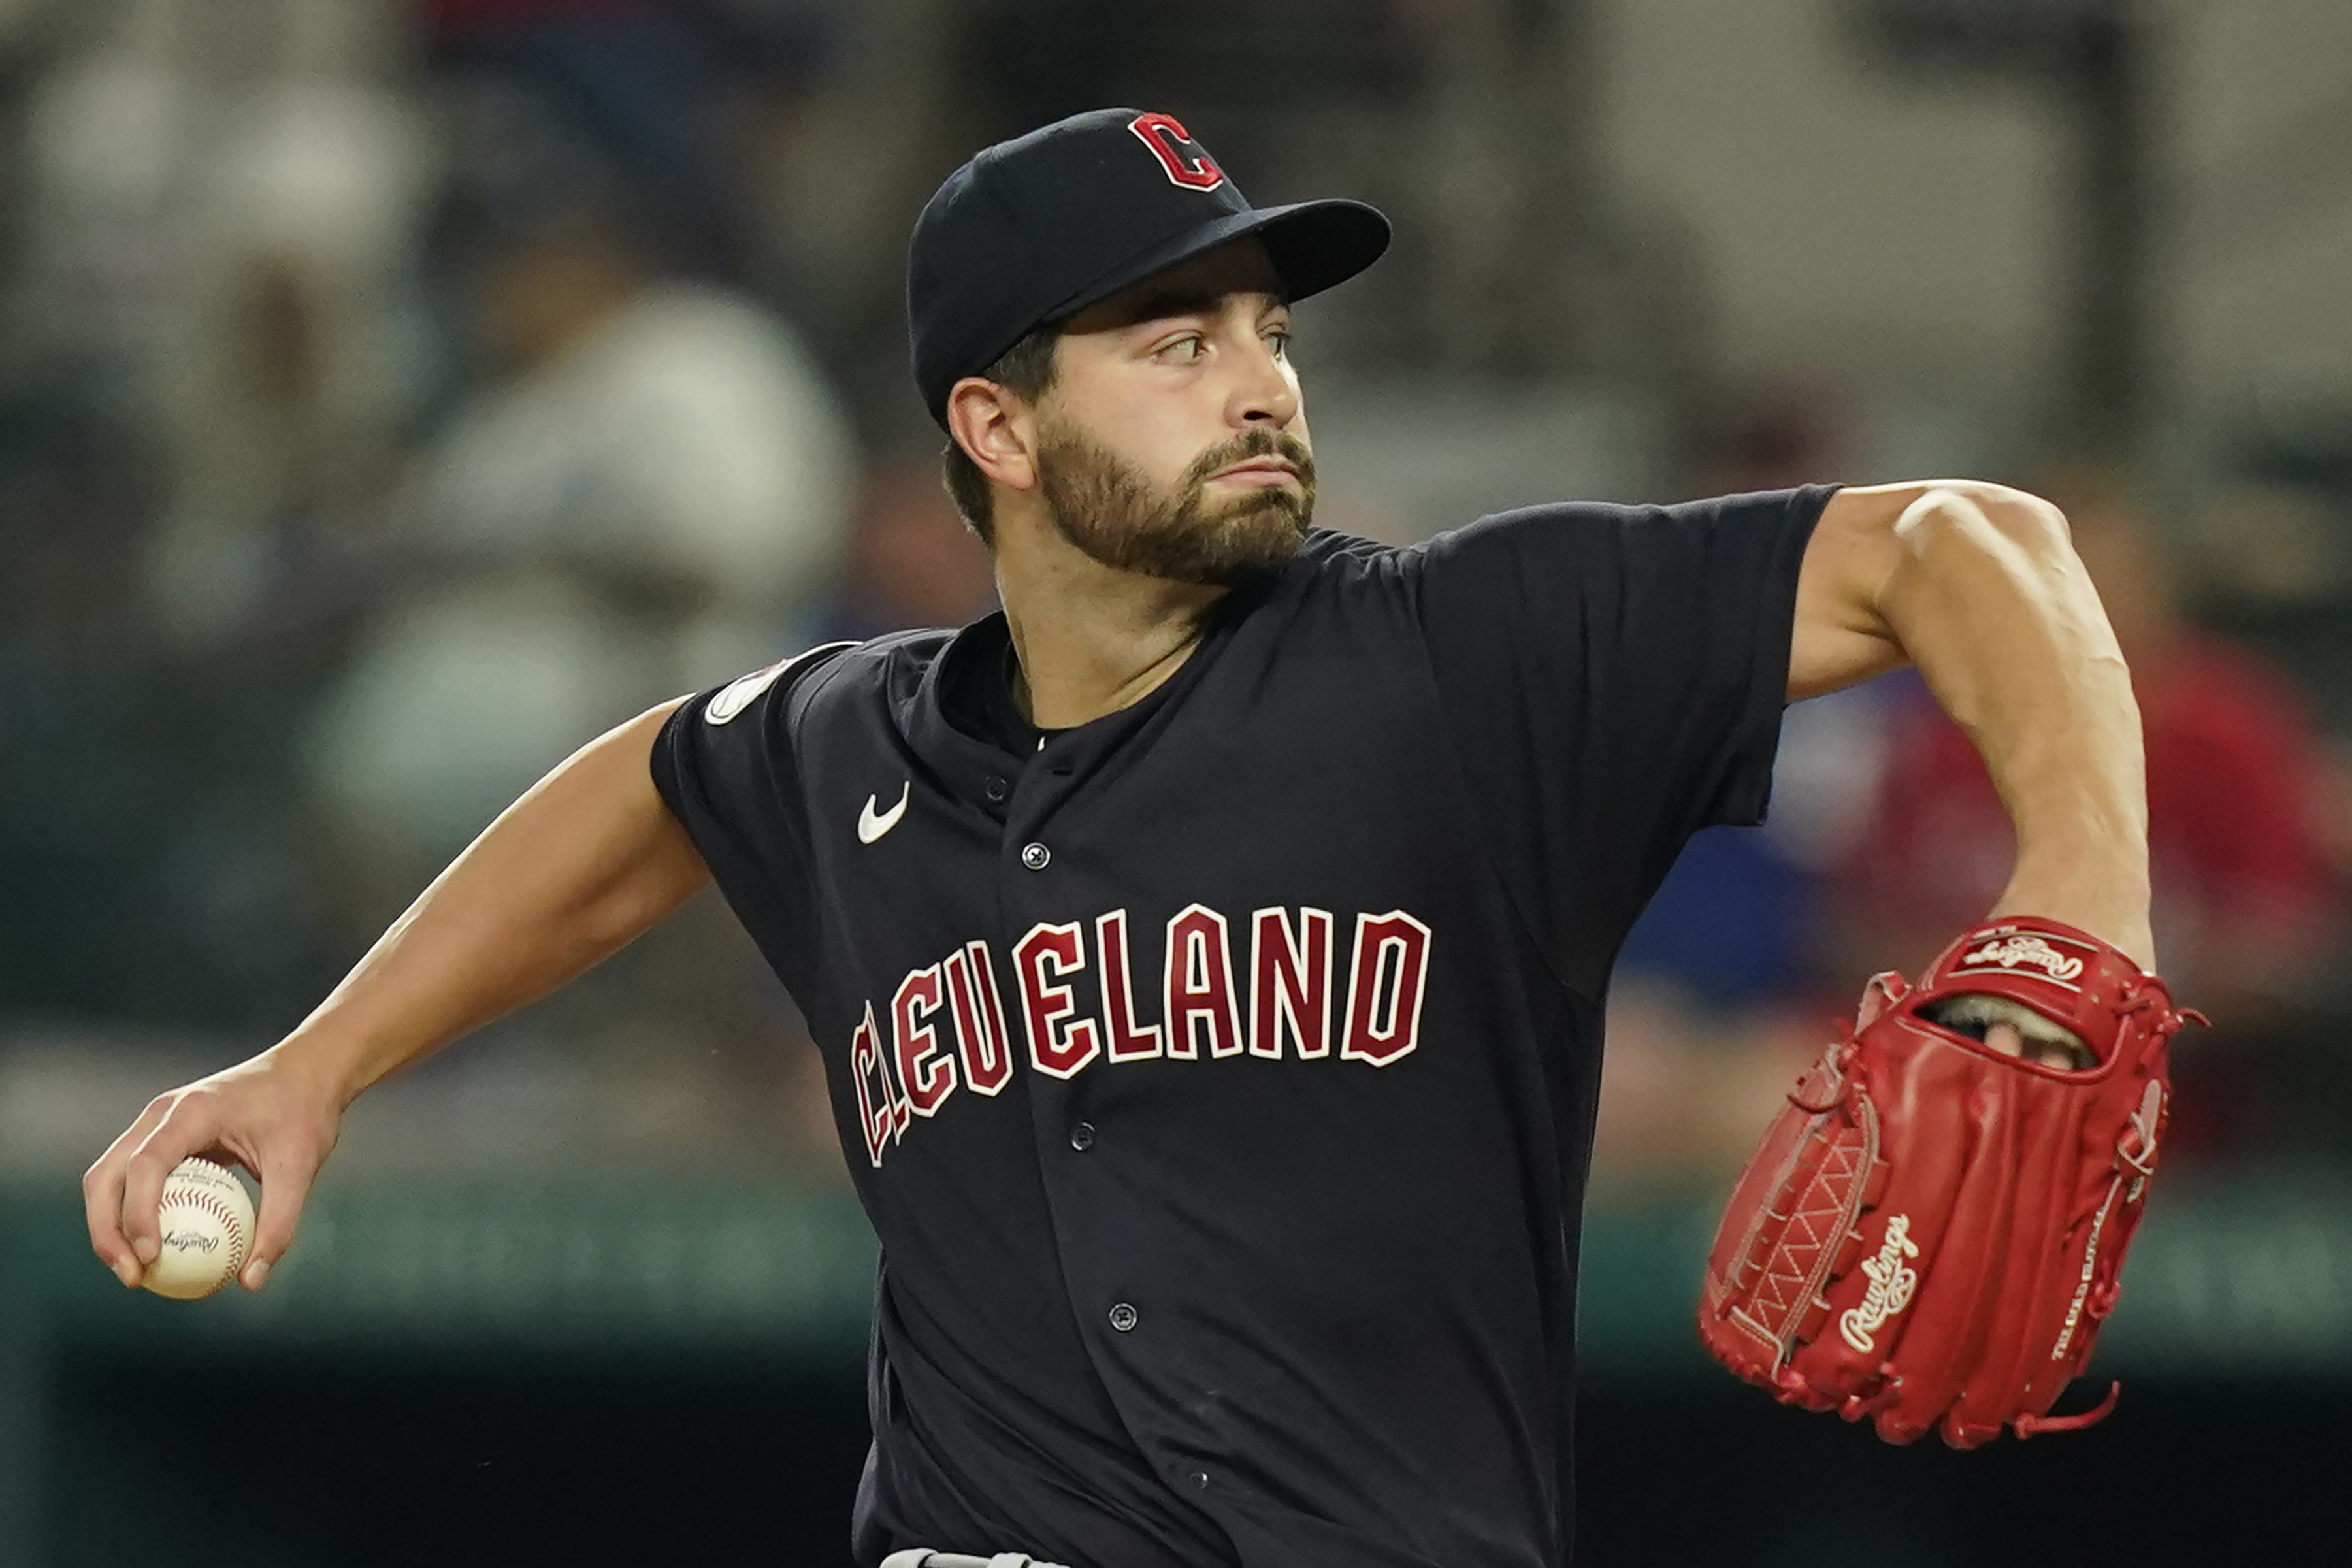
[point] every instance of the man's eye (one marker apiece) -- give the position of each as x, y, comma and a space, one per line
1280, 339
1185, 349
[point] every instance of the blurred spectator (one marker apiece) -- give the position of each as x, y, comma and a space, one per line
289, 361
653, 83
216, 195
2247, 907
911, 560
109, 138
653, 485
1795, 428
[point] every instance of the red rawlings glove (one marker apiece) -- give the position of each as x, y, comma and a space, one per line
1931, 1233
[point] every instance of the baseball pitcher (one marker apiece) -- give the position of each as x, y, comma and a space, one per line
1208, 950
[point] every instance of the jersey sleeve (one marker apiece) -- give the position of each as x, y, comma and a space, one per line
1613, 678
724, 764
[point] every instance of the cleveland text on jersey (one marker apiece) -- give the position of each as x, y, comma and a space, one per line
910, 1071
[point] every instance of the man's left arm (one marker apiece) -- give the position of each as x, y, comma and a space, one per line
1980, 587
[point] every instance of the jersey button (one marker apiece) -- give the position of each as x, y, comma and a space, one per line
1036, 856
1122, 1317
1082, 1136
996, 790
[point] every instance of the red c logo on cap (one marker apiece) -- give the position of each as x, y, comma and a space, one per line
1186, 160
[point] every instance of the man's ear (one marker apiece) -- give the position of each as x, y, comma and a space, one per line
987, 422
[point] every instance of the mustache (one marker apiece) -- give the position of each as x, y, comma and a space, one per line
1259, 442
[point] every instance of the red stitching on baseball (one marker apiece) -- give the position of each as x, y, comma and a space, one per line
212, 1202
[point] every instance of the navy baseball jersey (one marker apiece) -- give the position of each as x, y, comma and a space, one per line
1219, 1076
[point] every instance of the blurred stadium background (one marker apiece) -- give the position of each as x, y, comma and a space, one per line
394, 394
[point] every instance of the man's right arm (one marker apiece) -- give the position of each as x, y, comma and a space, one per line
571, 873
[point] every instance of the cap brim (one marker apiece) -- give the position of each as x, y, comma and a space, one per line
1313, 245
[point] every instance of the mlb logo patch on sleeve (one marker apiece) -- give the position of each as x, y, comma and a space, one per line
743, 692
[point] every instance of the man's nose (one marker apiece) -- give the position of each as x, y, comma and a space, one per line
1263, 394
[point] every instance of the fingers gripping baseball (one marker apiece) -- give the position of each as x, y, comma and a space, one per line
255, 1115
102, 1191
2013, 1029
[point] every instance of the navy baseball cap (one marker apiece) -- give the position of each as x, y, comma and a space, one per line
1037, 228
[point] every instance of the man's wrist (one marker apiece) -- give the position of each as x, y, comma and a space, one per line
2120, 917
329, 1065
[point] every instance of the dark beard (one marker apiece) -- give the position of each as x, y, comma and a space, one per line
1108, 510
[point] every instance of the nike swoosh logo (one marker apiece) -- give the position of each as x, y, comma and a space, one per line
872, 825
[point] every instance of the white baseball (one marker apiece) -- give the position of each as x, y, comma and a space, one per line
207, 1224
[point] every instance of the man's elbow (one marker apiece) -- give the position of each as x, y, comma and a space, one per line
2019, 515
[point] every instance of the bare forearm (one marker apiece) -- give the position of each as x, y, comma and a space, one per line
1989, 600
572, 872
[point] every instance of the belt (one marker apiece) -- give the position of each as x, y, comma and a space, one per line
924, 1557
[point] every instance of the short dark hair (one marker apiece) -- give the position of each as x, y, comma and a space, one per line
1025, 369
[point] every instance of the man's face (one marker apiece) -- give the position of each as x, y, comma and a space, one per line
1172, 442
